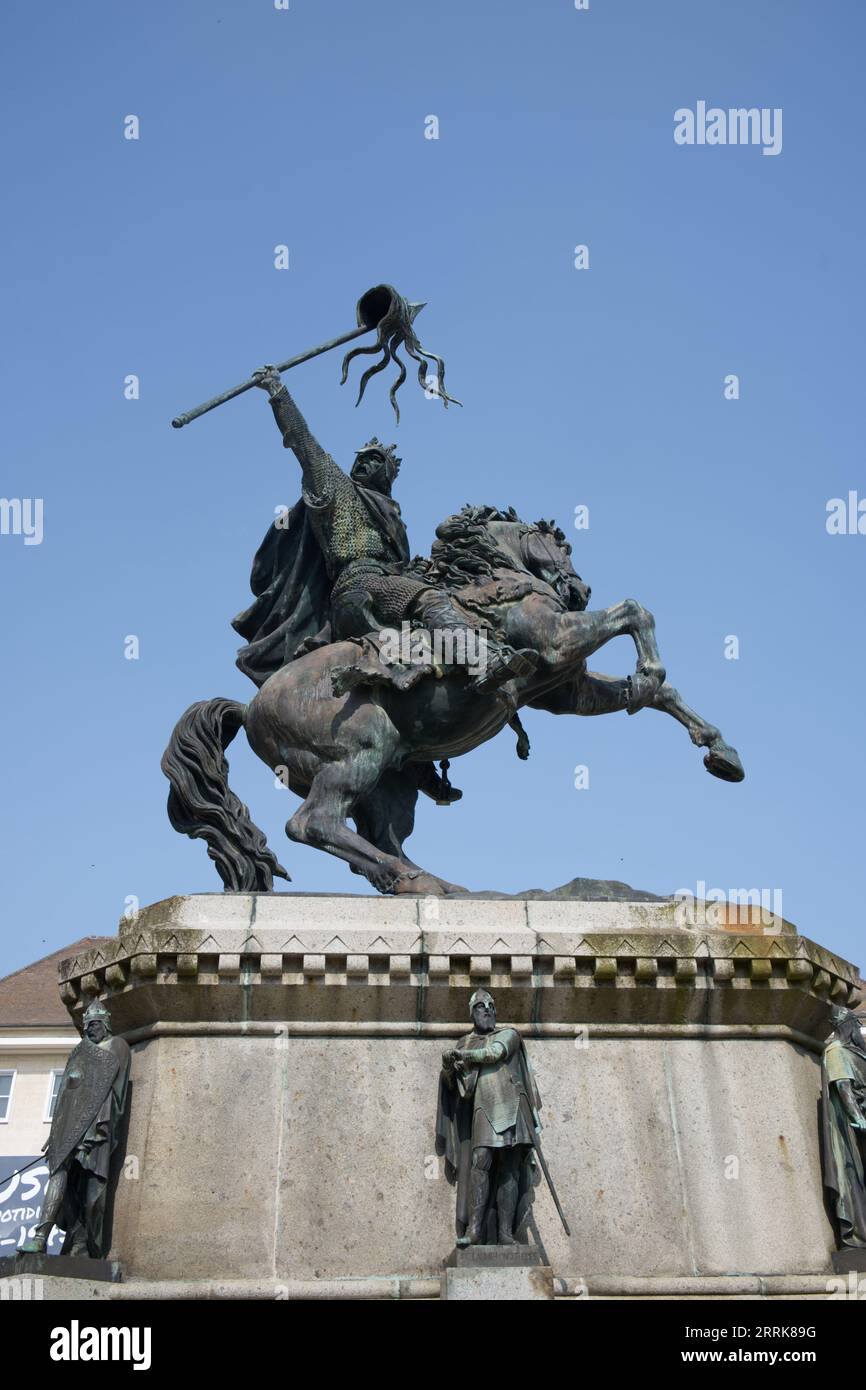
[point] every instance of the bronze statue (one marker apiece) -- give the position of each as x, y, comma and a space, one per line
486, 1127
843, 1126
84, 1135
350, 728
356, 578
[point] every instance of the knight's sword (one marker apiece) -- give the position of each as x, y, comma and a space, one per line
527, 1115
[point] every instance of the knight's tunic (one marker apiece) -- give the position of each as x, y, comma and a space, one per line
841, 1064
341, 522
498, 1119
364, 551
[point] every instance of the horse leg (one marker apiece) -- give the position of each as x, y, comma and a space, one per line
594, 693
321, 820
649, 674
338, 789
386, 815
564, 639
721, 759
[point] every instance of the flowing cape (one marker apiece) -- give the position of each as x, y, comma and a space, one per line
454, 1113
292, 589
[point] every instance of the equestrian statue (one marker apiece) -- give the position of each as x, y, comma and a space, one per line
372, 665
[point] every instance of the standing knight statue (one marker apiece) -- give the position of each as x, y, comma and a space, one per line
84, 1135
843, 1126
486, 1127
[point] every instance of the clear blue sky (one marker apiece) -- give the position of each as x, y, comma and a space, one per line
602, 387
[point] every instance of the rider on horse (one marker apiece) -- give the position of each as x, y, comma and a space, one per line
362, 580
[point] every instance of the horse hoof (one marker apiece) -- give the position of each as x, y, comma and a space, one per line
724, 761
423, 885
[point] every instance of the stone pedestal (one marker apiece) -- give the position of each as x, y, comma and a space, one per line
844, 1261
61, 1267
489, 1283
285, 1061
494, 1257
516, 1273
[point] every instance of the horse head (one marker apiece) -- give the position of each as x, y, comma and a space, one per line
474, 542
546, 554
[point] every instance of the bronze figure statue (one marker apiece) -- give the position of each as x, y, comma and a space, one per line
487, 1127
84, 1135
352, 724
356, 577
843, 1126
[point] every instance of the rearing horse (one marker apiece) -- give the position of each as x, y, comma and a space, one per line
358, 754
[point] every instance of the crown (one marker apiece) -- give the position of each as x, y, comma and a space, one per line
385, 451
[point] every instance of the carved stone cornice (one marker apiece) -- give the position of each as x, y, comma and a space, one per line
296, 957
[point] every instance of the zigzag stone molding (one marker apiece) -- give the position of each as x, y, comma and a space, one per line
273, 957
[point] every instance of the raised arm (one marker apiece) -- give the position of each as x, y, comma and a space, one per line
319, 469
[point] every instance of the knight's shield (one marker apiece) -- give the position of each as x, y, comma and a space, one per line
87, 1080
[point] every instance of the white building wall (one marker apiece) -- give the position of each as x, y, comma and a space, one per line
33, 1057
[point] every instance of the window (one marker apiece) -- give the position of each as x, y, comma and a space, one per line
7, 1079
53, 1092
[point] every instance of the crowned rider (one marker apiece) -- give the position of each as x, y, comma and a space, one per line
338, 565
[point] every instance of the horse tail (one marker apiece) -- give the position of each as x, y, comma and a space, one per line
202, 805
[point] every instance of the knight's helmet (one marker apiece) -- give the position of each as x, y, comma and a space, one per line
97, 1010
479, 997
846, 1022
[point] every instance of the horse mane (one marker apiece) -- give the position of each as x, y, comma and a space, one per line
465, 550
